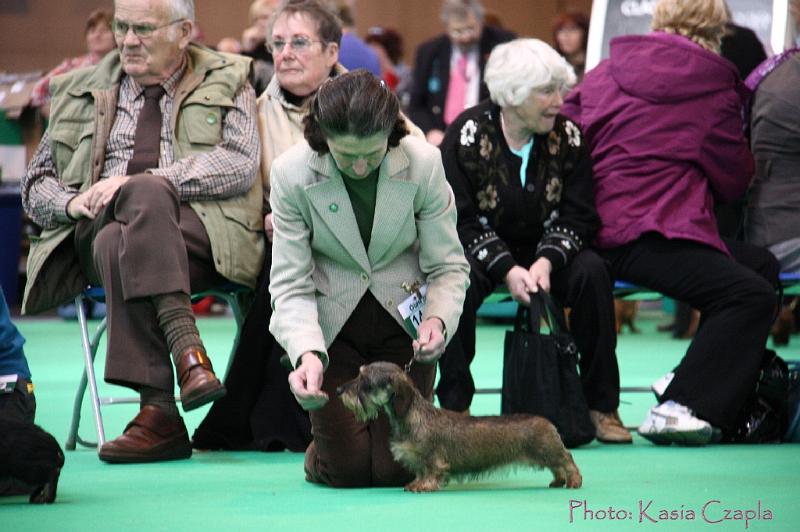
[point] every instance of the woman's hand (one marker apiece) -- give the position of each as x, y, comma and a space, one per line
540, 273
306, 382
429, 345
520, 284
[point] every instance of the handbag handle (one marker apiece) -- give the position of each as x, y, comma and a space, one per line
542, 305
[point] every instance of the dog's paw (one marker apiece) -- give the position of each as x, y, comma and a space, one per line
566, 478
422, 486
575, 480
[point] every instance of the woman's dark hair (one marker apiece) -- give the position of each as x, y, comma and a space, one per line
571, 18
329, 27
97, 17
355, 103
390, 39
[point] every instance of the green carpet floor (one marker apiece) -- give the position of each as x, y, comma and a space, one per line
625, 487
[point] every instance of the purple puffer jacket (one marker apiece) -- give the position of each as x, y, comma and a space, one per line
663, 121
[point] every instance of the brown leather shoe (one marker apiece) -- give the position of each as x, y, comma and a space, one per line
609, 427
152, 436
196, 378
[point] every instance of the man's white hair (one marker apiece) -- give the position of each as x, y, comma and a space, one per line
518, 67
181, 9
460, 9
178, 9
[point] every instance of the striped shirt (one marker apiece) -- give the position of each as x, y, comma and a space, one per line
225, 171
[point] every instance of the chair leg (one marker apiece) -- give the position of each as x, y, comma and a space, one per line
76, 413
89, 380
89, 352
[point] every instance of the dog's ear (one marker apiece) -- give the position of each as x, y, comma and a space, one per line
403, 395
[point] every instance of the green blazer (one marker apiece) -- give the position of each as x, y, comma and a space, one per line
320, 268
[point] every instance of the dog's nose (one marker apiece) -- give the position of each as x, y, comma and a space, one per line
340, 390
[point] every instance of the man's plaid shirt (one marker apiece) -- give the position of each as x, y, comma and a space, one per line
227, 170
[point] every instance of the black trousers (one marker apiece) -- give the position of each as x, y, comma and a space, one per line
585, 285
259, 411
737, 300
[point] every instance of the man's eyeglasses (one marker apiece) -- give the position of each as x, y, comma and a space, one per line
297, 45
143, 31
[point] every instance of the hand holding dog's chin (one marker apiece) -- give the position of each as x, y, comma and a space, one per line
306, 382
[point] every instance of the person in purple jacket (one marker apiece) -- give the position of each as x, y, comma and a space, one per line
663, 121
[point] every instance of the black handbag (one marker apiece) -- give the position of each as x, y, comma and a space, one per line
765, 415
540, 374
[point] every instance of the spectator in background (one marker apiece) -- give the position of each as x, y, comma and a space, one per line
388, 44
354, 52
259, 411
254, 40
773, 211
448, 70
570, 35
229, 45
742, 47
663, 121
99, 41
492, 18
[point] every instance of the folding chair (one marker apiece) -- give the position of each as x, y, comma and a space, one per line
230, 293
790, 281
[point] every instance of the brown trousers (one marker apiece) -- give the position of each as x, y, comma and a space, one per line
143, 244
345, 452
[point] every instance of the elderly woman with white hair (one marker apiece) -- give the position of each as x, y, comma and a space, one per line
523, 185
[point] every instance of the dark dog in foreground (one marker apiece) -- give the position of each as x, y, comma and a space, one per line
31, 457
437, 445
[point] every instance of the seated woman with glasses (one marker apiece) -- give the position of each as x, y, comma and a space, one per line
363, 216
259, 411
523, 185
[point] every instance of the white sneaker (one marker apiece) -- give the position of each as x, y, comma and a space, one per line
661, 384
672, 422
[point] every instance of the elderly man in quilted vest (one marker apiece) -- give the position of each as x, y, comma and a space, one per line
146, 184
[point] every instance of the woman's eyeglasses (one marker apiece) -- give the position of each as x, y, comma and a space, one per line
297, 45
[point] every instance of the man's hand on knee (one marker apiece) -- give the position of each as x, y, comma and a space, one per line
100, 193
78, 207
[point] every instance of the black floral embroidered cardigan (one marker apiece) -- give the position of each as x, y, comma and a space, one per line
500, 222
